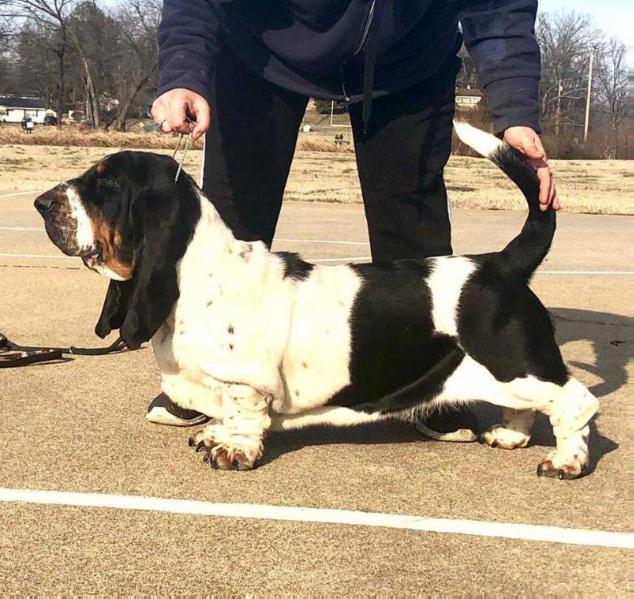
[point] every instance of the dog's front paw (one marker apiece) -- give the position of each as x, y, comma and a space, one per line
222, 454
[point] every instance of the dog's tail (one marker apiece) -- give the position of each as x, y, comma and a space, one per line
525, 253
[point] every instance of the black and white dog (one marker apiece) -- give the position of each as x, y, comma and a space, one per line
264, 341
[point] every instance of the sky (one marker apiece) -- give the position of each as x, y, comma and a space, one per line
615, 17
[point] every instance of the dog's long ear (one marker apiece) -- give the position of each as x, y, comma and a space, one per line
162, 217
115, 307
155, 285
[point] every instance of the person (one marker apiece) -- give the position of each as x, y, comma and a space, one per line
241, 74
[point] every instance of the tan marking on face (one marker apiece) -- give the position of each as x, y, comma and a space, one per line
109, 241
101, 168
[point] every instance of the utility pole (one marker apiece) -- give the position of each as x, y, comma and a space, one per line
587, 119
560, 89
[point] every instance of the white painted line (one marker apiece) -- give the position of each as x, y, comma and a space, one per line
344, 259
607, 273
38, 229
18, 193
47, 256
333, 241
527, 532
364, 259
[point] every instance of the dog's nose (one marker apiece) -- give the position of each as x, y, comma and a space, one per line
44, 203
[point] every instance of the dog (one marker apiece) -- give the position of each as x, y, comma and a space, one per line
260, 340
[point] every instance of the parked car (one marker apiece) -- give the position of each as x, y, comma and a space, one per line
50, 119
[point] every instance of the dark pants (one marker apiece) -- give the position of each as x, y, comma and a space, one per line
400, 160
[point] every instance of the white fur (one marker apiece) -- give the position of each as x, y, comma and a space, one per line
315, 362
85, 236
331, 416
447, 279
482, 142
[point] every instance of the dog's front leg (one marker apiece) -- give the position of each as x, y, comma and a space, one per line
236, 442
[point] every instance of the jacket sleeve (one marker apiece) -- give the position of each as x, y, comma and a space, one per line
188, 46
500, 36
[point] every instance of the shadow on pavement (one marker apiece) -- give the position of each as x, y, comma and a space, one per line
612, 337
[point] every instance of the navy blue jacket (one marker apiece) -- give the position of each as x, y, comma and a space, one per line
316, 47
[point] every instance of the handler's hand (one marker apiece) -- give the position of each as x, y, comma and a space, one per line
177, 109
527, 141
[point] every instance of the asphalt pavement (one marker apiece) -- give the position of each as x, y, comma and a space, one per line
78, 426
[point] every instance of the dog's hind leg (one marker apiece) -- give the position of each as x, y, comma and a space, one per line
569, 415
515, 430
569, 405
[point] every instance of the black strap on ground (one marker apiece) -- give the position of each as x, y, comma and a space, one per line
13, 355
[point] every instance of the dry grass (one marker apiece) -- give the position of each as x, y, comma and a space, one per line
73, 136
324, 172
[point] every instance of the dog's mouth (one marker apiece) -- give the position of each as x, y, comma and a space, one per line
92, 257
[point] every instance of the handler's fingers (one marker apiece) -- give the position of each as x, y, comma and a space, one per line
540, 148
177, 118
202, 114
533, 148
553, 200
158, 112
545, 184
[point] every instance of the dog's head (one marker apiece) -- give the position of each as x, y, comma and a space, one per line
128, 220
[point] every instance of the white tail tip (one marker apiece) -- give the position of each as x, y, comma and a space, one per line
482, 142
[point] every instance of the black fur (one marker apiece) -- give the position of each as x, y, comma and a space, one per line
136, 192
294, 267
526, 252
503, 326
397, 361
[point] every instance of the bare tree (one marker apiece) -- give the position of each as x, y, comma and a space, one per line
137, 22
54, 16
612, 83
566, 40
51, 16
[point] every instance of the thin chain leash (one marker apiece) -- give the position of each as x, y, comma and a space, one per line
188, 139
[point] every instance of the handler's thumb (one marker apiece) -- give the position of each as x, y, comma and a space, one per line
202, 114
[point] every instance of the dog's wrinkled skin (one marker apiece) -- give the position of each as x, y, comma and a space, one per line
259, 340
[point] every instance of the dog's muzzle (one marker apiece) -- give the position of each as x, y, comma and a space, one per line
59, 222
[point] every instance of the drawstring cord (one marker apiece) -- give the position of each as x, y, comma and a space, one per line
370, 64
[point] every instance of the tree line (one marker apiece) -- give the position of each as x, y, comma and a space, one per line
569, 42
80, 55
102, 59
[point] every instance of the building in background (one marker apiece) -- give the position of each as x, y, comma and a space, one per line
13, 109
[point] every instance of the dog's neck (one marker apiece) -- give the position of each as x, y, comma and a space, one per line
215, 254
211, 233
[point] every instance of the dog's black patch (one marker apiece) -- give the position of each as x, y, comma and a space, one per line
503, 326
294, 267
397, 361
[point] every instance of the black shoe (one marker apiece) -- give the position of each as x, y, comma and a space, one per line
162, 410
457, 424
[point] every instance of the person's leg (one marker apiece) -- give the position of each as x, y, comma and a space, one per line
249, 149
248, 153
400, 160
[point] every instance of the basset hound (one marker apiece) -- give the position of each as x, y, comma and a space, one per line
260, 340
